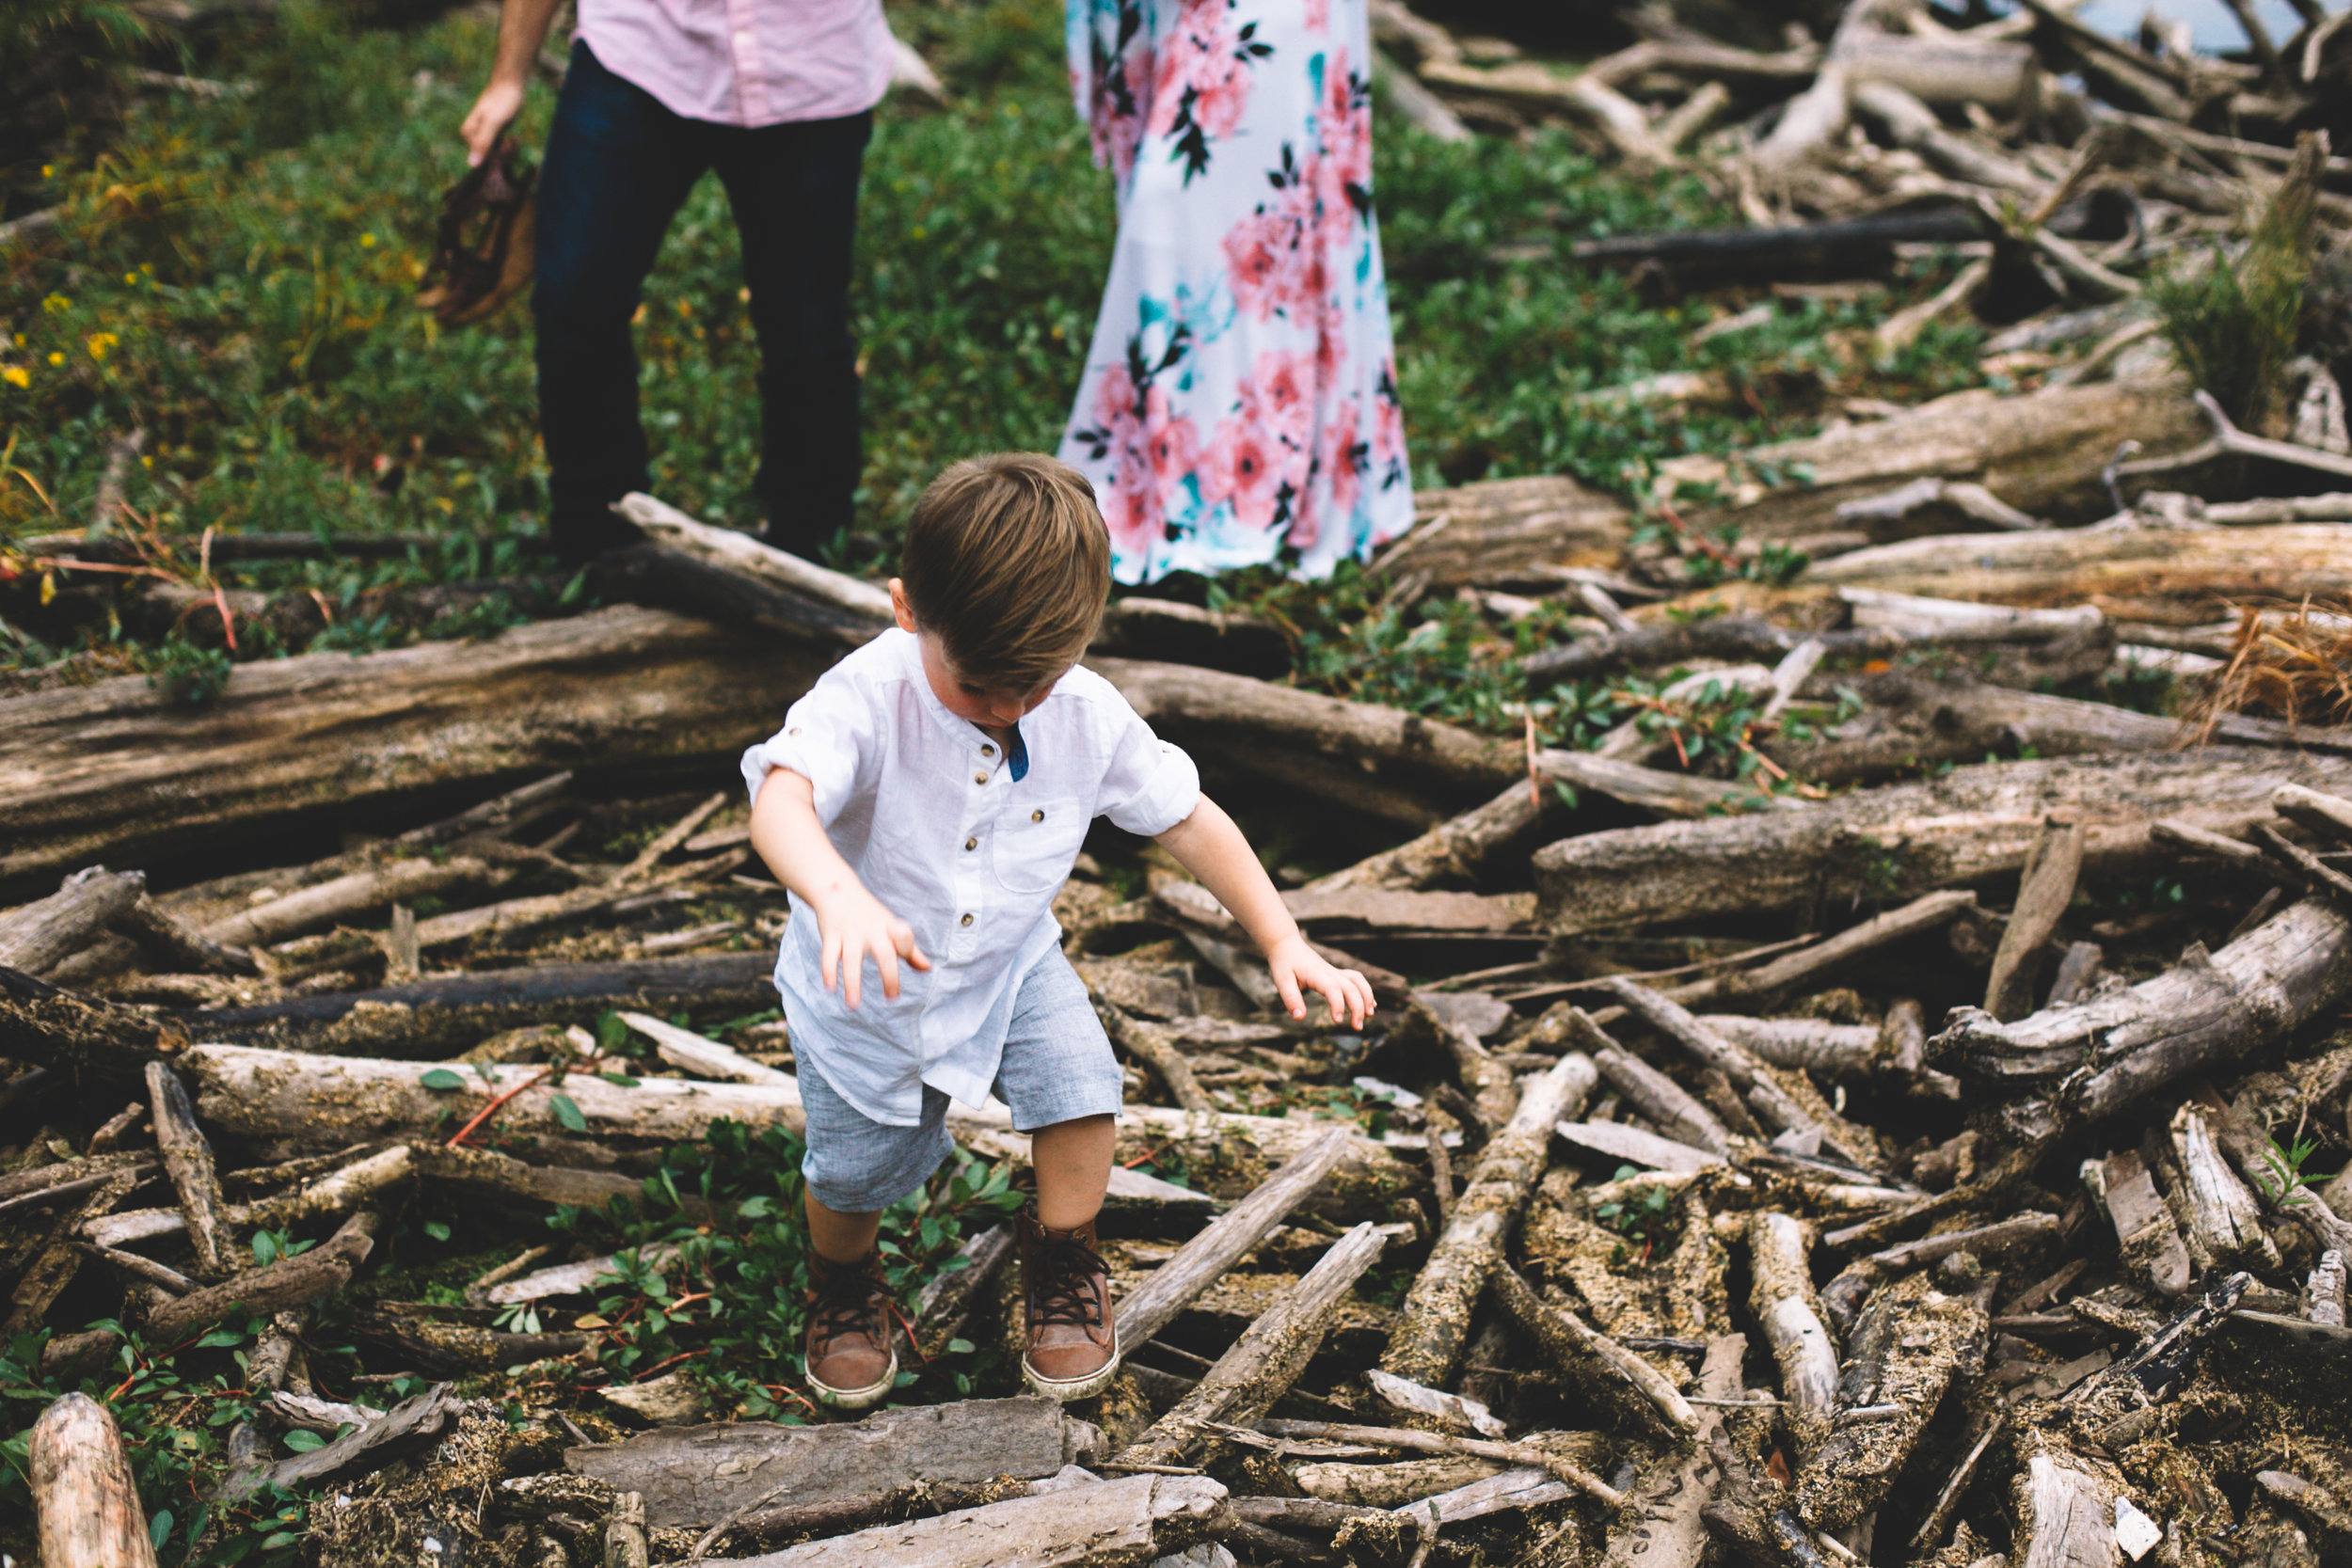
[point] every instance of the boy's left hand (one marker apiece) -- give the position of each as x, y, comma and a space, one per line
1298, 969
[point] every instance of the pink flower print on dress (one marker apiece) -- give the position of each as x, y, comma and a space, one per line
1343, 456
1280, 396
1244, 465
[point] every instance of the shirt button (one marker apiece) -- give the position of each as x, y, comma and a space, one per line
971, 844
979, 778
966, 921
1037, 817
987, 751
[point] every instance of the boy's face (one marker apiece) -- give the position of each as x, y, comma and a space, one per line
968, 701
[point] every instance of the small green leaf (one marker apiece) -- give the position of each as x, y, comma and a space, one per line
436, 1229
220, 1337
567, 1112
303, 1442
622, 1079
441, 1078
159, 1528
959, 1347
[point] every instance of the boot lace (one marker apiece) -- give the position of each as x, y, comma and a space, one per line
1064, 1289
845, 1303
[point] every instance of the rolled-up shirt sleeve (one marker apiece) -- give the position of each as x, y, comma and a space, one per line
1151, 785
828, 738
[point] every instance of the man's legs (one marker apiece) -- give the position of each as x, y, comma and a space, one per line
619, 165
794, 190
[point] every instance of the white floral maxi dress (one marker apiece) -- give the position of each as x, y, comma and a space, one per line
1239, 398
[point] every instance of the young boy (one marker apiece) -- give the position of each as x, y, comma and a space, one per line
924, 804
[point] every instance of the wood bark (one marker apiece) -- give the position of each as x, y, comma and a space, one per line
1972, 826
2220, 1219
1487, 530
2097, 1056
2044, 889
1807, 965
1112, 1524
110, 771
2065, 1511
1815, 1046
1263, 1364
1428, 1338
2039, 454
1206, 1258
399, 881
2146, 1235
1524, 1453
1789, 1318
1765, 1095
1678, 1113
693, 1477
699, 1055
2176, 576
408, 1426
88, 1504
40, 936
1910, 1342
188, 1159
1599, 1365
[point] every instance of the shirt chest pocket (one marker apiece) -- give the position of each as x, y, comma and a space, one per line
1033, 843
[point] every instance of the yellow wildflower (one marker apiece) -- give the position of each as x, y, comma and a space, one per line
100, 344
55, 357
17, 375
367, 239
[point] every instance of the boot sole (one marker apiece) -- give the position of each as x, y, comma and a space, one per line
856, 1398
1076, 1387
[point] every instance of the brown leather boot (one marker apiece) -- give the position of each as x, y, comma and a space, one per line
851, 1354
1072, 1336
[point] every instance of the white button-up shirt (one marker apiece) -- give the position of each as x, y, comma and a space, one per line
924, 808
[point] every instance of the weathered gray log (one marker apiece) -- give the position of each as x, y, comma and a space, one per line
1678, 1113
1819, 1047
413, 1424
2324, 1292
695, 1476
1807, 965
2146, 1235
1910, 124
1782, 1302
188, 1157
2040, 453
1912, 1341
1204, 1260
40, 936
2043, 891
1156, 1049
1429, 1337
1526, 1453
1494, 527
397, 882
2065, 1511
1595, 1362
1660, 1526
2156, 574
112, 770
181, 944
698, 1054
1844, 1294
2329, 815
1261, 1365
1113, 1523
1764, 1093
1632, 1146
88, 1504
2220, 1219
1970, 827
2098, 1055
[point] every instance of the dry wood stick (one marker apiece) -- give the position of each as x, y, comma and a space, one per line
54, 1265
1783, 1302
1438, 1442
1663, 1528
2309, 868
1678, 1113
1156, 1049
397, 882
2322, 813
2047, 887
2324, 1292
1266, 1359
1429, 1337
1632, 1385
1843, 1295
1910, 1342
42, 935
188, 1159
82, 1488
1204, 1260
1770, 1101
151, 925
144, 1268
2220, 1221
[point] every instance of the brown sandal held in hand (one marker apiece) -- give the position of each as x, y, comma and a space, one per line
481, 254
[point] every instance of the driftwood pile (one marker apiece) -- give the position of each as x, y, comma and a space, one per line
1925, 1161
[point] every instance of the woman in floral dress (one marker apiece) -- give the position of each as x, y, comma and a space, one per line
1239, 401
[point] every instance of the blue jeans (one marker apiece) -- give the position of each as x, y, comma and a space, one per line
618, 165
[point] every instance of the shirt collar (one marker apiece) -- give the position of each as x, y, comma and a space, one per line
962, 731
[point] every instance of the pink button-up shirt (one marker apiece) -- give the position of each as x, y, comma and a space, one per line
745, 62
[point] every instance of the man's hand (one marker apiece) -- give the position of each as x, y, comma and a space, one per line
493, 112
1298, 969
852, 925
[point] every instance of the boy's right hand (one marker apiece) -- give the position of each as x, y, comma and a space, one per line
853, 925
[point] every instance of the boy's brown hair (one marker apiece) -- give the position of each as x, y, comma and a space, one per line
1007, 563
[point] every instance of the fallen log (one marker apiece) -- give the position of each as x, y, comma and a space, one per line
1677, 1111
1764, 1093
1660, 1526
2045, 889
412, 1425
1610, 1375
188, 1158
1261, 1365
2065, 1509
1912, 1341
2094, 1057
1428, 1338
1827, 1049
696, 1476
1111, 1524
2147, 1238
2169, 574
39, 937
2039, 454
1965, 829
1785, 1310
1523, 1453
110, 771
88, 1506
1487, 530
2220, 1219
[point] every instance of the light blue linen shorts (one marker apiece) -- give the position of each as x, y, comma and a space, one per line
1057, 1067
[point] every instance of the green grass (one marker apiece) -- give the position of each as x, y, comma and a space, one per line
234, 276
